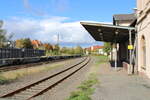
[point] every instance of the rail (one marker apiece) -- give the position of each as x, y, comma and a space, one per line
36, 84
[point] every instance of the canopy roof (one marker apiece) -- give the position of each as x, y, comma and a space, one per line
108, 32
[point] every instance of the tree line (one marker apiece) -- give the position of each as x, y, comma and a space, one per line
6, 42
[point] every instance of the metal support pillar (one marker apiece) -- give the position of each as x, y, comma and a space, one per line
116, 56
130, 53
116, 49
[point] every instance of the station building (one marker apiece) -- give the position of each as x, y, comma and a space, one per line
143, 29
120, 34
130, 38
123, 53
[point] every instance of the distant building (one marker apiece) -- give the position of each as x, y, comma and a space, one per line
120, 34
36, 43
95, 49
130, 38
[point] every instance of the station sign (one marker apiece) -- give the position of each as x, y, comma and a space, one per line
130, 47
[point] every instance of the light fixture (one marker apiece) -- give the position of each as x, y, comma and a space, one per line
116, 32
101, 38
99, 30
100, 34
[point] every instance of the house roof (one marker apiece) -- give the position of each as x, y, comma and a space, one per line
107, 32
124, 17
36, 42
97, 47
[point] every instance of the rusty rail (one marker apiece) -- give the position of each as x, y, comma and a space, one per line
49, 87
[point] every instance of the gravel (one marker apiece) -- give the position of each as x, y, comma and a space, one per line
64, 89
23, 81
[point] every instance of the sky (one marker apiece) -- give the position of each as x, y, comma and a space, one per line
45, 19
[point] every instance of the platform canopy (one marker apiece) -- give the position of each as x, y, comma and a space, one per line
108, 32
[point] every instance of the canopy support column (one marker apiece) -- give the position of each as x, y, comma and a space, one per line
130, 69
116, 56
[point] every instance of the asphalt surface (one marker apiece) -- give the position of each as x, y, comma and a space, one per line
117, 85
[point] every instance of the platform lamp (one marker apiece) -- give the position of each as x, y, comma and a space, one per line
100, 34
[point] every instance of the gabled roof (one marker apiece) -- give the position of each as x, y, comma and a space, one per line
36, 42
124, 17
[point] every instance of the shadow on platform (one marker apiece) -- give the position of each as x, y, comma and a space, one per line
119, 64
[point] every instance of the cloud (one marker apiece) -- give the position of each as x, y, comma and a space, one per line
47, 30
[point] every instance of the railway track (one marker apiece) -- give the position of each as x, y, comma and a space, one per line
15, 67
38, 88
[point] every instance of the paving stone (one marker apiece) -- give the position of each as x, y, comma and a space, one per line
117, 85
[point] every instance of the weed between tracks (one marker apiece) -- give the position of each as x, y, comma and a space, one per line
85, 90
7, 77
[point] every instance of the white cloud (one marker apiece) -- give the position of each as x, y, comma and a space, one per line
47, 29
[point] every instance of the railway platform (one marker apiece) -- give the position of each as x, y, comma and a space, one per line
117, 85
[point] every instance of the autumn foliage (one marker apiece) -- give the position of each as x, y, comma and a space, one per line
24, 43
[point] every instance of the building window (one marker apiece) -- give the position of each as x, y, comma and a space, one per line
143, 53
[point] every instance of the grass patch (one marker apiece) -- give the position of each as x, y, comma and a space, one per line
101, 59
79, 95
7, 77
3, 80
85, 89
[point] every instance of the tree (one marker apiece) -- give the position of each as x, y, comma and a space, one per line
48, 47
107, 47
2, 35
71, 51
27, 43
24, 43
19, 43
56, 49
64, 50
5, 39
78, 50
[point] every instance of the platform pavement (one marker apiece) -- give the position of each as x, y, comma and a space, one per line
117, 85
